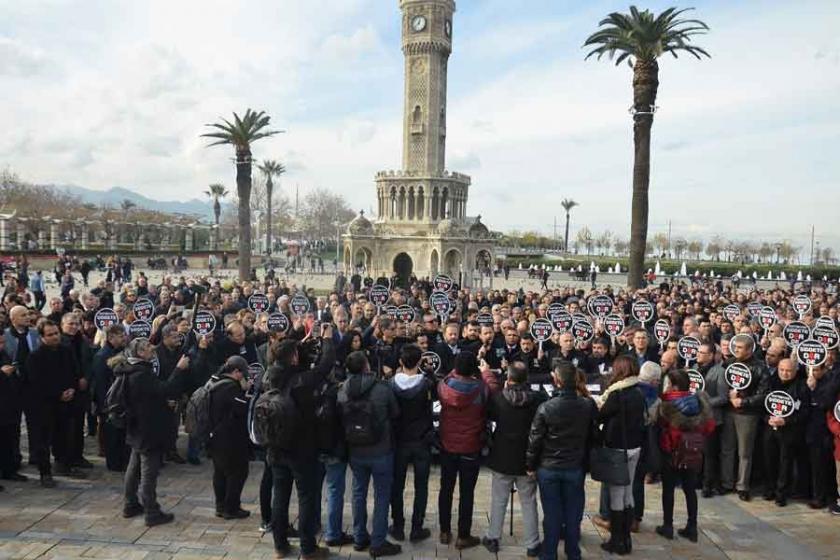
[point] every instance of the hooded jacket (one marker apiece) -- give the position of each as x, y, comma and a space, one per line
463, 412
415, 395
229, 441
513, 409
386, 410
149, 415
681, 412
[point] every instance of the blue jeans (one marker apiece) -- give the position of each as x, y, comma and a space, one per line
420, 457
336, 480
382, 470
562, 498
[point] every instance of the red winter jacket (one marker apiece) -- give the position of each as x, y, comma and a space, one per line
463, 411
681, 412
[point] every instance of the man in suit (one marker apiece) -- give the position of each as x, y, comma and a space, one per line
21, 341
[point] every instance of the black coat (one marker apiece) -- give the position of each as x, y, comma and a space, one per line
513, 410
228, 418
149, 418
562, 432
630, 425
10, 394
753, 396
51, 370
415, 423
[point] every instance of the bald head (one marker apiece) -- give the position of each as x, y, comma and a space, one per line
669, 360
19, 317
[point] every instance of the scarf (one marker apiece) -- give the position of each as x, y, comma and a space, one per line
619, 386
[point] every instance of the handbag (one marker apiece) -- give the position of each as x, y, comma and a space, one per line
611, 466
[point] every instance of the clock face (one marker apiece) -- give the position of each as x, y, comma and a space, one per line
418, 23
447, 27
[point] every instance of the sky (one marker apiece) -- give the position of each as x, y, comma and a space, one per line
102, 93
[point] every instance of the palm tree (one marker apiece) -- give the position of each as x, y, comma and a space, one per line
126, 205
567, 204
240, 134
641, 38
217, 191
270, 168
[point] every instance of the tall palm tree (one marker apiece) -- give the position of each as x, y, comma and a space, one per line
126, 206
217, 191
240, 134
567, 204
270, 169
641, 38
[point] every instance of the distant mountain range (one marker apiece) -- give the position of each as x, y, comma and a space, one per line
115, 195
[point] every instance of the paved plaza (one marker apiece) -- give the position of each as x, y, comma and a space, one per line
82, 519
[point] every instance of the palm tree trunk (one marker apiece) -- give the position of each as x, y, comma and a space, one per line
566, 239
217, 209
269, 186
243, 189
645, 84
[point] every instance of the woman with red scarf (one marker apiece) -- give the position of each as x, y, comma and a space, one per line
685, 420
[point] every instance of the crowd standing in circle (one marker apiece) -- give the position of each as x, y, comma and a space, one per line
694, 386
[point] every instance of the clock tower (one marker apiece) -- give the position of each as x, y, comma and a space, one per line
426, 44
421, 226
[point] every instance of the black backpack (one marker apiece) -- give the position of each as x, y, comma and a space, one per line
276, 420
116, 402
358, 414
197, 420
327, 423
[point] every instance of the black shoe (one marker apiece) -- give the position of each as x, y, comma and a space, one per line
397, 532
467, 542
69, 472
724, 491
83, 464
445, 537
492, 545
219, 513
817, 504
16, 477
317, 552
617, 543
343, 540
132, 511
387, 549
2, 488
292, 533
708, 493
265, 527
358, 547
535, 551
689, 533
47, 481
159, 518
419, 534
781, 501
238, 514
769, 495
744, 496
282, 551
666, 531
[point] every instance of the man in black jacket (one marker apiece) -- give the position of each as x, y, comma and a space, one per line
71, 337
228, 443
740, 423
561, 434
111, 438
298, 465
413, 434
10, 408
513, 410
784, 434
824, 385
146, 430
368, 408
169, 353
53, 382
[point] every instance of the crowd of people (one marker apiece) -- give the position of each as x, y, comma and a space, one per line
673, 384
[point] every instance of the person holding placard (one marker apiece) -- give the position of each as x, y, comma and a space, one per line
784, 433
746, 405
684, 420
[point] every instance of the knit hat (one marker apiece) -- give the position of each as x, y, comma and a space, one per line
650, 373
